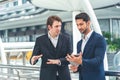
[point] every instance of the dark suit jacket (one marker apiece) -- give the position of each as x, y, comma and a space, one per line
44, 46
92, 67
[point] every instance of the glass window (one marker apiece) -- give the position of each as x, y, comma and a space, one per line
104, 25
68, 27
116, 28
12, 39
15, 3
22, 38
7, 5
24, 1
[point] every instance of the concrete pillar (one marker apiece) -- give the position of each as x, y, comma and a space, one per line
76, 33
3, 56
2, 53
24, 58
8, 58
111, 32
6, 35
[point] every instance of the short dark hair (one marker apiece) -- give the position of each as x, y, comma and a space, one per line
53, 18
83, 16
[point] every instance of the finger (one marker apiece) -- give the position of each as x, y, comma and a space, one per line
32, 62
81, 53
74, 55
40, 56
35, 57
80, 56
48, 62
70, 56
67, 59
71, 67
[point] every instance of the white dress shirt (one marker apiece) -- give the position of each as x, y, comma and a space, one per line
53, 40
85, 40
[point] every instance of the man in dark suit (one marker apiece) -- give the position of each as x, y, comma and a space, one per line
91, 49
52, 48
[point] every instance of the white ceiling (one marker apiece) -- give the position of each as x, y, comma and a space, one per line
64, 9
76, 5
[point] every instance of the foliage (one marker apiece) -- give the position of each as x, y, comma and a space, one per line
113, 45
117, 43
107, 36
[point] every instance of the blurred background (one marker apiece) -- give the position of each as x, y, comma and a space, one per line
22, 21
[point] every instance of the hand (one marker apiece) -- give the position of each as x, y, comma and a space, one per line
73, 68
34, 58
53, 61
74, 59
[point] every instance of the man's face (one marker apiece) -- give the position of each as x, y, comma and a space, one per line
55, 29
82, 26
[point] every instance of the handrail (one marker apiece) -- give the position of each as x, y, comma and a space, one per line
36, 68
17, 68
20, 67
112, 73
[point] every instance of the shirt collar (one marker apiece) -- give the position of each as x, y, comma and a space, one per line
50, 37
88, 35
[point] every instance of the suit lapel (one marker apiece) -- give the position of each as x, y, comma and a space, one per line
87, 46
58, 47
59, 43
50, 43
49, 46
79, 45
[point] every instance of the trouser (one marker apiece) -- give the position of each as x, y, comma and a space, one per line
58, 78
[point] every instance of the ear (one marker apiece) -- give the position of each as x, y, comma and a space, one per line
88, 23
49, 27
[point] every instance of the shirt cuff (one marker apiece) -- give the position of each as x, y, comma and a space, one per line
59, 63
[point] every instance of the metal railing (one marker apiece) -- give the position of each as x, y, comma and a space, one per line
115, 74
19, 72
